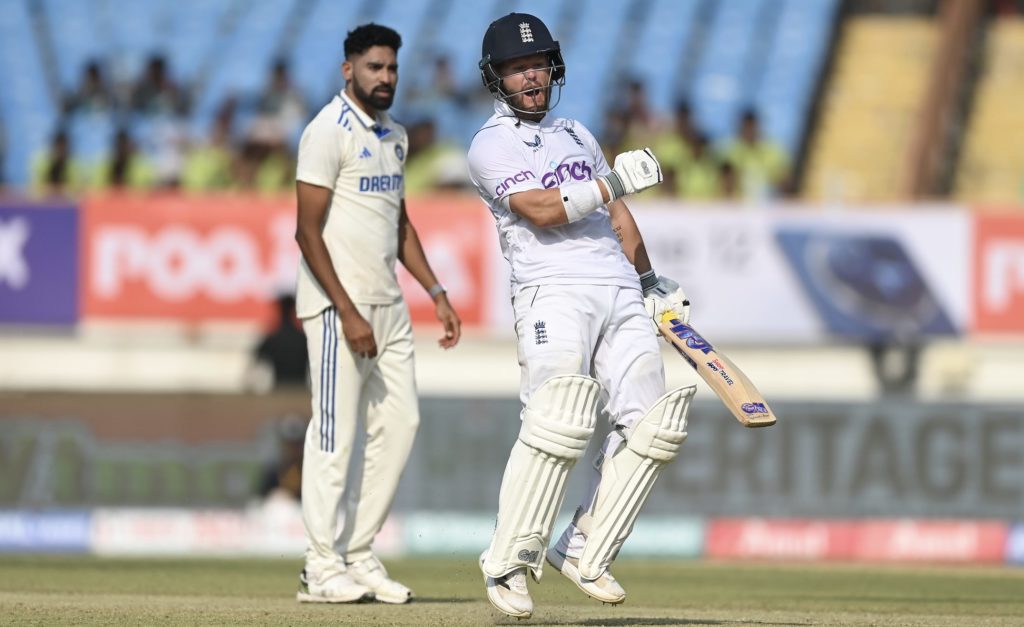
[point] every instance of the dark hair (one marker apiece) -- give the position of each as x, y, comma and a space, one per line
369, 35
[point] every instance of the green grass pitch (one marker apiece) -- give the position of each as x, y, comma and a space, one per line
51, 590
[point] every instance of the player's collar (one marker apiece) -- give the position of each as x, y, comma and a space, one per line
502, 110
380, 126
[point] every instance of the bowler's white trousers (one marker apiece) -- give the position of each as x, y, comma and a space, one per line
351, 392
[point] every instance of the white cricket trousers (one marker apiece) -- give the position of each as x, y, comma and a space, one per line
350, 392
601, 331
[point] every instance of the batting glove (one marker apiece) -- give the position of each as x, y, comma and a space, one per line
666, 295
634, 171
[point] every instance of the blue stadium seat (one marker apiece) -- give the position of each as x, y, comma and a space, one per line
76, 35
590, 58
729, 62
137, 30
245, 55
194, 29
794, 64
315, 59
26, 106
658, 54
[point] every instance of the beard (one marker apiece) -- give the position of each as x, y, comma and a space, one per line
537, 103
380, 98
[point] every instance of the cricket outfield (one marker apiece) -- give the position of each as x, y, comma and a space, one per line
47, 590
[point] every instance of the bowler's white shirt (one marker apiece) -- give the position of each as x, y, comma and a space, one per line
509, 156
362, 160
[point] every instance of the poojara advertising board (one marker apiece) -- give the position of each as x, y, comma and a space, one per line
194, 259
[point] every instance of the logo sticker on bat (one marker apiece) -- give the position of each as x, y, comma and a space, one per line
691, 337
718, 367
754, 408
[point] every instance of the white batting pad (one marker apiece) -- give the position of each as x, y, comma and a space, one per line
557, 424
627, 477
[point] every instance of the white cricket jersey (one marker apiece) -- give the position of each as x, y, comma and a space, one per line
506, 157
362, 160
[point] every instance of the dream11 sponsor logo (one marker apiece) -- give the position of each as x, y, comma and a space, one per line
177, 263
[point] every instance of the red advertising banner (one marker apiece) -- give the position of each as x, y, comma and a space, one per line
931, 541
999, 273
457, 233
860, 540
745, 538
226, 257
186, 258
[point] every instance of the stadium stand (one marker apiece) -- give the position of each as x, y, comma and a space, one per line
730, 63
859, 151
26, 106
669, 41
723, 56
797, 52
992, 163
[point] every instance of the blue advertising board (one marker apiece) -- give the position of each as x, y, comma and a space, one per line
65, 531
38, 264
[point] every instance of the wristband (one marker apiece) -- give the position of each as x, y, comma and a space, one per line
615, 187
648, 281
580, 199
436, 290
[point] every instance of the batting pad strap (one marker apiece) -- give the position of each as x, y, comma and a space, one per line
580, 199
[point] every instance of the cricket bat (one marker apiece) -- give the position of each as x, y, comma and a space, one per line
728, 382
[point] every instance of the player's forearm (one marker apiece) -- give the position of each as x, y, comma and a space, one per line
542, 207
414, 258
632, 242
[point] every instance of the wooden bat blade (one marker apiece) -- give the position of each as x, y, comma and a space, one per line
733, 387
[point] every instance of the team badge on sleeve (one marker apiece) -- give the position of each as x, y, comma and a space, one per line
399, 152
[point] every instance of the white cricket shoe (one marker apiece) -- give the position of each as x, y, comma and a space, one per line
509, 593
332, 587
605, 589
371, 573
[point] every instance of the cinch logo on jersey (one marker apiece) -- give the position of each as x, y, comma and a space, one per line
518, 177
577, 171
382, 183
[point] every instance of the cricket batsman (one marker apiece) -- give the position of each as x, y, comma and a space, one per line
584, 298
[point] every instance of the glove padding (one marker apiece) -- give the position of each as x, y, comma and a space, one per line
664, 296
634, 171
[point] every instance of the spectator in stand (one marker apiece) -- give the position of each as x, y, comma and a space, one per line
126, 168
156, 93
433, 165
210, 166
55, 171
675, 149
729, 182
613, 135
700, 179
93, 94
762, 165
642, 125
281, 109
